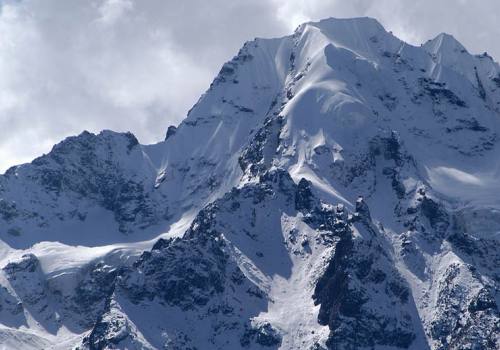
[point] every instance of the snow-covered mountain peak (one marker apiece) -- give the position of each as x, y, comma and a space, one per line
364, 38
445, 44
336, 188
451, 57
361, 35
74, 145
351, 31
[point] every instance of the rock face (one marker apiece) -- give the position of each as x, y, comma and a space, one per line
360, 268
333, 189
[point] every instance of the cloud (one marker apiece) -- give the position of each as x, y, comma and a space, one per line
67, 66
113, 10
473, 23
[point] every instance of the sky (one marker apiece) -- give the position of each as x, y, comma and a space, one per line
139, 65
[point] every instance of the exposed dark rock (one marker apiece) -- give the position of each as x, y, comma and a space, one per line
258, 155
187, 273
390, 102
8, 210
480, 87
459, 324
482, 302
343, 293
27, 264
8, 303
110, 329
303, 195
93, 291
90, 166
438, 92
29, 283
465, 243
263, 334
496, 80
468, 124
170, 132
162, 243
435, 213
229, 69
362, 210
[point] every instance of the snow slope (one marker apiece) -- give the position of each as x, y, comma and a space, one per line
333, 189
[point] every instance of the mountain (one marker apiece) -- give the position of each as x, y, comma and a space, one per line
333, 189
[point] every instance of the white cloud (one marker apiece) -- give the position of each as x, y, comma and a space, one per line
113, 10
66, 66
